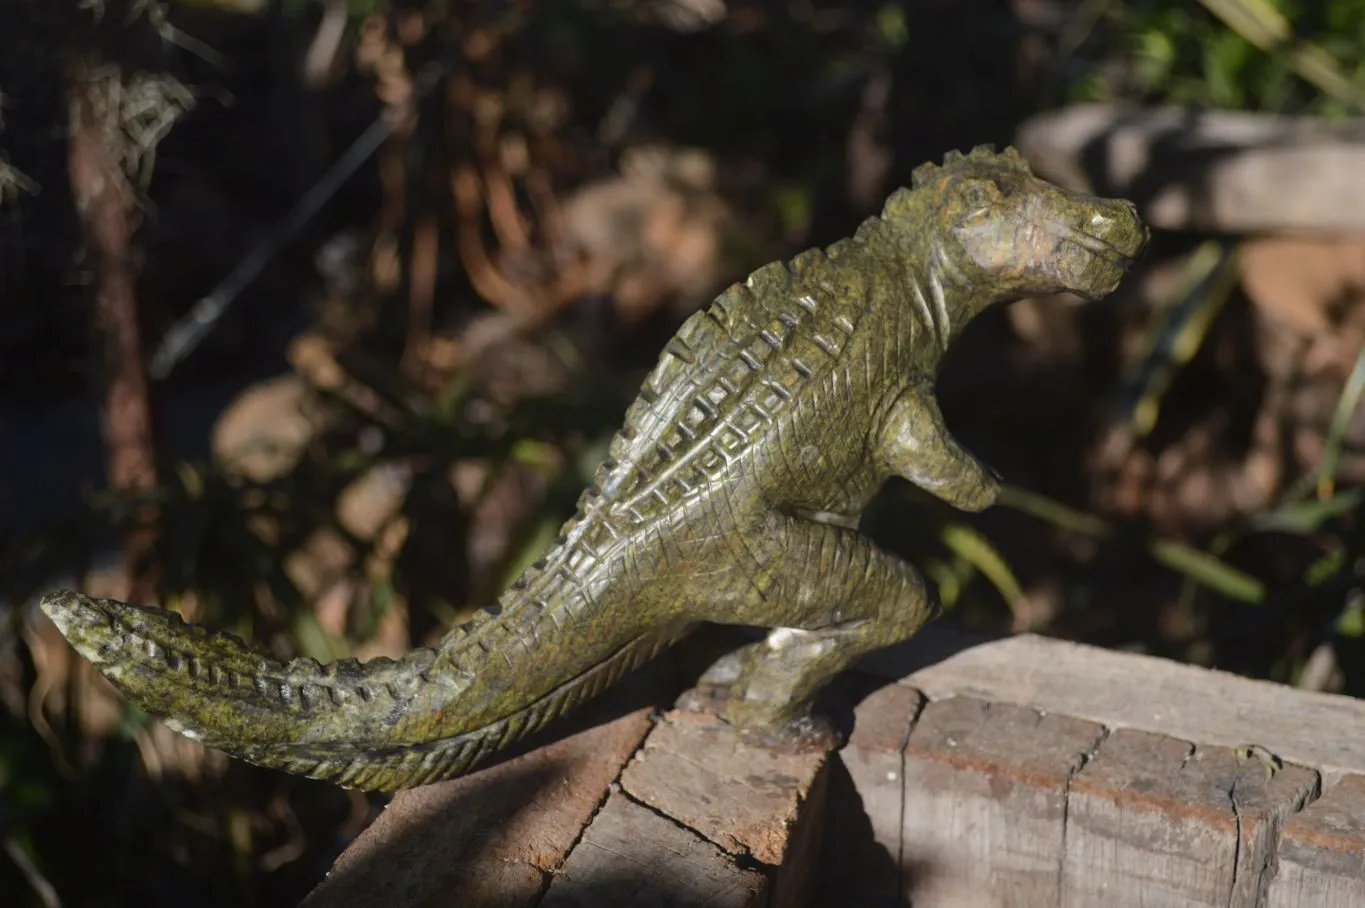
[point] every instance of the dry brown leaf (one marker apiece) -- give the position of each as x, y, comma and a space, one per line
263, 432
1312, 285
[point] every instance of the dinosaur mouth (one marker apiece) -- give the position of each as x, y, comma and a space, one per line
1094, 244
1114, 259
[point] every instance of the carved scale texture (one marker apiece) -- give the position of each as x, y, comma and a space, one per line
724, 377
164, 640
727, 372
417, 764
721, 380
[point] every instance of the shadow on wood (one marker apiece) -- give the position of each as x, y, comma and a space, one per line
491, 838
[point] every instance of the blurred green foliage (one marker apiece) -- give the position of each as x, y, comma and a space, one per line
1271, 56
1266, 55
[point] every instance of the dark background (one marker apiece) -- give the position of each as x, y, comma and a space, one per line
429, 367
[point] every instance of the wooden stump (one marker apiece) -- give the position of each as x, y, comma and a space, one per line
1033, 772
1015, 773
1322, 852
986, 792
634, 809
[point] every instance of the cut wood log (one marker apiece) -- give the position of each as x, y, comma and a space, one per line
745, 798
488, 840
1021, 772
631, 857
1036, 772
1322, 852
1127, 690
1154, 820
624, 808
986, 792
861, 863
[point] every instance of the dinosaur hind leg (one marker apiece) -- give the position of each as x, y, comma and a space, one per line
831, 595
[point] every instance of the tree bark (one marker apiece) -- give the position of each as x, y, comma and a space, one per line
107, 208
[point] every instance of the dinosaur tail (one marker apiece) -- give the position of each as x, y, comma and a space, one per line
379, 725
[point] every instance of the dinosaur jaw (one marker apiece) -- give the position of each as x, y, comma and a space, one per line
1097, 255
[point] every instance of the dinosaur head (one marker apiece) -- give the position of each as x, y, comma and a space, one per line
1006, 229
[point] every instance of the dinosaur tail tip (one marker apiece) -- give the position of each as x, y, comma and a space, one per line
82, 620
62, 606
302, 718
206, 687
127, 643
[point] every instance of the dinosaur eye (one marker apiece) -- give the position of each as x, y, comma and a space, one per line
981, 193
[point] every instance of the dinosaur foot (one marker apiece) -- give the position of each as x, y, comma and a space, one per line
809, 733
705, 699
804, 732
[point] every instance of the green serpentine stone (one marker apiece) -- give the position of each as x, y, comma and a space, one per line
731, 495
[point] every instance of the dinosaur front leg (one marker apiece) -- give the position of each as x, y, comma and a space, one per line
831, 595
918, 447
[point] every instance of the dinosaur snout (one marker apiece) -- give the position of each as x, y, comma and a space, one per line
1116, 223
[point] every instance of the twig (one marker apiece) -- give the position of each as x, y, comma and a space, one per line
422, 274
1341, 421
45, 891
98, 163
190, 331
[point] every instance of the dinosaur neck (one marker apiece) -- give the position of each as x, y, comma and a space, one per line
943, 297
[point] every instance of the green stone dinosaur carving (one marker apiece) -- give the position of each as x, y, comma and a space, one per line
731, 496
